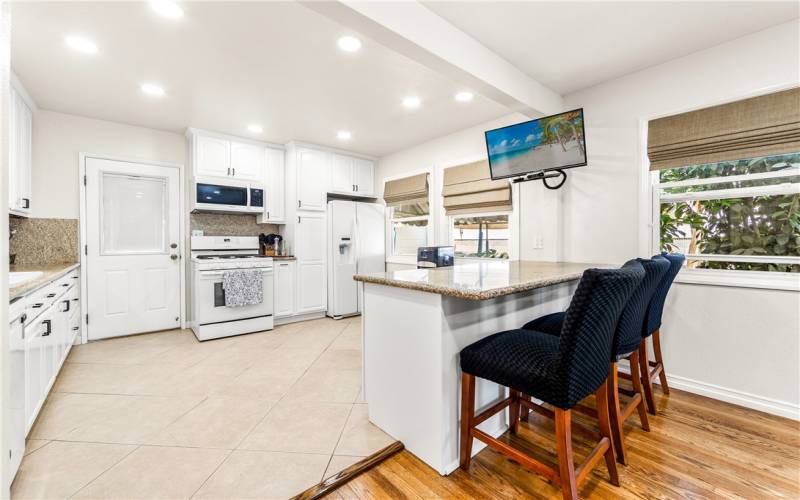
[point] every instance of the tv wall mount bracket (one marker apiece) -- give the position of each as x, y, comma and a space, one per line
543, 176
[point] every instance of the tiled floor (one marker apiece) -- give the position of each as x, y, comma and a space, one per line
264, 415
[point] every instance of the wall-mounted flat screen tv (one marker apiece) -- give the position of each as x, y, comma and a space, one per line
547, 143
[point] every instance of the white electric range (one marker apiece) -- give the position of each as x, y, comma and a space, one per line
211, 257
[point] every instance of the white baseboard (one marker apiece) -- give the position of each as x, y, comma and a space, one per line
753, 401
733, 396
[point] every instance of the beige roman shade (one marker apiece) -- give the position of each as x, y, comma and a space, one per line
469, 189
759, 126
406, 191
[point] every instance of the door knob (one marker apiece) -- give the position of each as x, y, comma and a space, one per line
173, 257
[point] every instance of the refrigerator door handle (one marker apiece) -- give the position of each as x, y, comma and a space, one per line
356, 249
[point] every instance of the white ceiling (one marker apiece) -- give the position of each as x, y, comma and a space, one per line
226, 65
573, 45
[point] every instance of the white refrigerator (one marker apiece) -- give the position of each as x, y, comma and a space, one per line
356, 245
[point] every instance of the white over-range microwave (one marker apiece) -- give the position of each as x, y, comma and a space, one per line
214, 195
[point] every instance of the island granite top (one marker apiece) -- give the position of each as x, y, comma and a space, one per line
481, 280
50, 272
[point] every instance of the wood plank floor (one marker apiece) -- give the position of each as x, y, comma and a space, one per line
697, 448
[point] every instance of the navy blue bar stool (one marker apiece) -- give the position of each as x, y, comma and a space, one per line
560, 371
627, 339
652, 369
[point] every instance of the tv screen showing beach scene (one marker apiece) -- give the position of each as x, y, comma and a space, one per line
547, 143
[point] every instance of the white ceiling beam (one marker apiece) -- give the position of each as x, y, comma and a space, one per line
411, 29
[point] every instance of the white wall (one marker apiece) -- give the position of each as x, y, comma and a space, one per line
540, 207
736, 344
59, 138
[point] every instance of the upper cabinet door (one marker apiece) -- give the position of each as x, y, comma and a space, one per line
364, 177
312, 179
13, 150
275, 204
247, 161
20, 153
213, 156
342, 175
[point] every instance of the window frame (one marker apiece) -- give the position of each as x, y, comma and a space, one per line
724, 277
511, 235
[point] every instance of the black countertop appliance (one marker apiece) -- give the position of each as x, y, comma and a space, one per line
428, 257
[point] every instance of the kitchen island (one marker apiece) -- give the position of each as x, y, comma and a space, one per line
415, 323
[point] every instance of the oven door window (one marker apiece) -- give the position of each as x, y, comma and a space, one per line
219, 295
221, 195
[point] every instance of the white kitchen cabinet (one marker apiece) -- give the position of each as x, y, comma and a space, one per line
274, 188
313, 172
284, 288
212, 156
352, 176
342, 174
364, 177
16, 395
310, 245
35, 371
20, 154
247, 161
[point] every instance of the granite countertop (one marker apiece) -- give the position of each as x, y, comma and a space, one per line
482, 280
50, 272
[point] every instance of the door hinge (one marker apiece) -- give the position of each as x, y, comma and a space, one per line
84, 180
299, 203
85, 249
87, 318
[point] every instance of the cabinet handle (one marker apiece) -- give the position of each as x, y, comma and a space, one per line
267, 215
50, 295
283, 265
299, 203
67, 303
65, 284
229, 170
75, 328
49, 330
298, 220
356, 187
234, 172
37, 305
27, 202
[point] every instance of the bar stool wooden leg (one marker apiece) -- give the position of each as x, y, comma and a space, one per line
605, 431
566, 467
660, 361
513, 412
615, 414
647, 384
636, 380
467, 416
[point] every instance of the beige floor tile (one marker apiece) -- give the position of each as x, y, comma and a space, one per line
133, 419
342, 359
360, 436
257, 474
214, 423
201, 379
350, 338
60, 469
299, 427
116, 353
339, 463
260, 382
32, 445
318, 336
327, 386
156, 472
103, 378
63, 413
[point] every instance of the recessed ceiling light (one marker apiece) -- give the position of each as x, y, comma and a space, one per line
81, 44
349, 44
464, 96
344, 135
412, 102
166, 8
256, 129
153, 90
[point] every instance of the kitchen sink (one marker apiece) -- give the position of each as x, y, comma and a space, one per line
19, 278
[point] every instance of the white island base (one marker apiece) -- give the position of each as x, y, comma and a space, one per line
412, 341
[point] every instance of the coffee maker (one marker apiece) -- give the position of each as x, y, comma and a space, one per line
270, 245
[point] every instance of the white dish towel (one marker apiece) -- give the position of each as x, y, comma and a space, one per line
243, 287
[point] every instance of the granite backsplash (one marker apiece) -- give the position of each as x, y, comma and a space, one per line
230, 225
44, 241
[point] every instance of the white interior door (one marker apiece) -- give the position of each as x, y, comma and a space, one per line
133, 260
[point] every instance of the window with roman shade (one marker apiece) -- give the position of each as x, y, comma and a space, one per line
727, 189
767, 125
409, 211
469, 189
